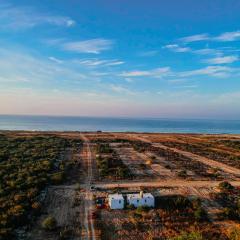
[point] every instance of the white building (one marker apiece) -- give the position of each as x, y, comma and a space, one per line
141, 199
116, 201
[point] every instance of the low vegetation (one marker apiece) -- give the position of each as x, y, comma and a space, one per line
27, 166
188, 236
109, 164
140, 146
235, 144
49, 223
180, 163
109, 140
229, 198
175, 217
209, 150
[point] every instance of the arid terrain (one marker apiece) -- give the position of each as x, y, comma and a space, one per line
194, 178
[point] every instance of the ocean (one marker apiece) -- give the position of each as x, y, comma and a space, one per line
50, 123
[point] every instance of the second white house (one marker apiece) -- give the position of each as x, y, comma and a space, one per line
141, 199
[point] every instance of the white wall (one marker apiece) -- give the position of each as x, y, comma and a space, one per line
137, 202
116, 203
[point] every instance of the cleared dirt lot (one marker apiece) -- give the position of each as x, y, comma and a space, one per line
136, 162
64, 203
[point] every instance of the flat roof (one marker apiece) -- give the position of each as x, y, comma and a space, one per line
137, 195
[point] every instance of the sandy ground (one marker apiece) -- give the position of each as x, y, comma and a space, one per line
89, 231
204, 160
162, 183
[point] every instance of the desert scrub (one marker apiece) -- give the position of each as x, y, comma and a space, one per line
188, 236
49, 223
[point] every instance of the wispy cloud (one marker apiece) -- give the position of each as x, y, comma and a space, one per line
94, 46
12, 17
202, 51
137, 73
122, 90
94, 62
214, 71
223, 37
228, 36
157, 73
56, 60
195, 38
167, 73
41, 73
177, 48
208, 51
35, 70
222, 60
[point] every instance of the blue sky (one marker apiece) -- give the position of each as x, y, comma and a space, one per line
138, 58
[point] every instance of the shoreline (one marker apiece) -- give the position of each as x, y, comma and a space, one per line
118, 125
116, 132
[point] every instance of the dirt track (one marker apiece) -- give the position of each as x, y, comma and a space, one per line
204, 160
168, 183
88, 200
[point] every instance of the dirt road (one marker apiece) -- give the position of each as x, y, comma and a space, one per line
88, 200
166, 183
204, 160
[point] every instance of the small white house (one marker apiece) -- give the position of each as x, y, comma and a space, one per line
116, 201
141, 199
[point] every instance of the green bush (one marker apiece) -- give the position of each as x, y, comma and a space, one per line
230, 213
182, 174
49, 223
188, 236
225, 186
200, 214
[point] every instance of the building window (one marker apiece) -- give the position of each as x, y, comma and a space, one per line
119, 201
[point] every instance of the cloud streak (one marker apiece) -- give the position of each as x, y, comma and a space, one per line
56, 60
16, 18
176, 48
195, 38
122, 90
94, 46
223, 37
222, 60
214, 71
208, 51
94, 62
156, 73
228, 36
